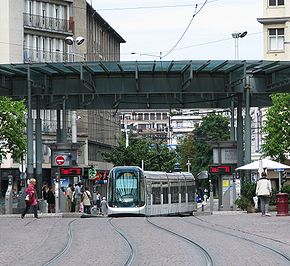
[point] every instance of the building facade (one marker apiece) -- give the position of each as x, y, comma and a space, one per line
36, 31
276, 21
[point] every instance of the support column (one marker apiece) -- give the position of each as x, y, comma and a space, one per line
58, 127
29, 127
64, 123
248, 139
233, 130
247, 126
39, 153
240, 152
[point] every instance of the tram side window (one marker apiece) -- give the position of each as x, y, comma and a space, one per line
190, 192
174, 192
165, 193
156, 192
183, 191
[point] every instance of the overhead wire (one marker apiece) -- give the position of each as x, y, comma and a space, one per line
181, 37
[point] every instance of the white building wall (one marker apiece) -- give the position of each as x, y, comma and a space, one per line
276, 12
11, 28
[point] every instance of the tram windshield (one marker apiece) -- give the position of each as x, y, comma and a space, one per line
126, 192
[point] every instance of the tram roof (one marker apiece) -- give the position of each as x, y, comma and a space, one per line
158, 175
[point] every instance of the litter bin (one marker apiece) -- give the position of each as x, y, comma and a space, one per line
282, 204
43, 206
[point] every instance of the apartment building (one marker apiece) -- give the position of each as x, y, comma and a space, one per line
34, 31
276, 21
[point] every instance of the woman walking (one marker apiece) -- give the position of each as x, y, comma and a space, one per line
30, 199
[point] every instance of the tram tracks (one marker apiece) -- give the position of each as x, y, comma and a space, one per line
207, 258
66, 247
284, 256
132, 250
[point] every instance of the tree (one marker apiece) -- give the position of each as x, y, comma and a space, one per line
277, 127
156, 155
12, 128
196, 148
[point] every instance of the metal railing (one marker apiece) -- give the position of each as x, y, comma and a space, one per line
47, 23
37, 56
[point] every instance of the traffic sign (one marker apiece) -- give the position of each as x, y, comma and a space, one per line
59, 160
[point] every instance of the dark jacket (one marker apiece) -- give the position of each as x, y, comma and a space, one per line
50, 197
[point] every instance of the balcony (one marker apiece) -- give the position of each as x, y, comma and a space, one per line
38, 56
47, 23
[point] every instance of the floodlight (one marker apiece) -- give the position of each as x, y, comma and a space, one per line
69, 40
80, 40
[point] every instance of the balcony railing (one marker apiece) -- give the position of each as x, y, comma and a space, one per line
47, 23
37, 56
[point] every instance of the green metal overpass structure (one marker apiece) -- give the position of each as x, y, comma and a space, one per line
145, 85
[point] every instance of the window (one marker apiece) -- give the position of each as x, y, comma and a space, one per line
276, 39
276, 2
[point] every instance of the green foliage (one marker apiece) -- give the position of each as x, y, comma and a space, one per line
277, 127
286, 189
12, 126
242, 202
156, 156
249, 191
246, 199
195, 147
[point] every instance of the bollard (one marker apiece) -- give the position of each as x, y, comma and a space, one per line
282, 204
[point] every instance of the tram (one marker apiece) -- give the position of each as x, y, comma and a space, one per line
134, 191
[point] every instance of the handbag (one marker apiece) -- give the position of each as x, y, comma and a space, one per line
27, 197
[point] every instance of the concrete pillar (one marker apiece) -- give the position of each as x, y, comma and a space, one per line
240, 152
29, 127
39, 153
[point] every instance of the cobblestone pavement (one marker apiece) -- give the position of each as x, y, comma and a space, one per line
229, 239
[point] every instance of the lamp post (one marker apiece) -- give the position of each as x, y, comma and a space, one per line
71, 41
236, 36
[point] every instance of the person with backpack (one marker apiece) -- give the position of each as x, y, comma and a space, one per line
264, 191
87, 201
30, 198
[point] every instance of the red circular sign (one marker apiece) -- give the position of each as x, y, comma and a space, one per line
59, 160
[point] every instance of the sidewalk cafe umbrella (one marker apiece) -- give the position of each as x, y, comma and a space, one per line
264, 164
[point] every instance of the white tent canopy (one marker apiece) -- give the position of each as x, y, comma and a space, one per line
264, 164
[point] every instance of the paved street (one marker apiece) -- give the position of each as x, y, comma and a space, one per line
229, 238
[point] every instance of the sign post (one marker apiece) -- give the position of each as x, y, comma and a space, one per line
59, 160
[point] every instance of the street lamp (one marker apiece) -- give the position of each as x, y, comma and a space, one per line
71, 41
236, 36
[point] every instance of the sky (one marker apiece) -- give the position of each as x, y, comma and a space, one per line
150, 32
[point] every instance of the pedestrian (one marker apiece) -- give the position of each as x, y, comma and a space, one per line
69, 198
104, 206
77, 196
73, 200
263, 191
30, 199
51, 200
87, 201
98, 199
44, 191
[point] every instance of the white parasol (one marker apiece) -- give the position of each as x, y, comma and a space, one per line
262, 164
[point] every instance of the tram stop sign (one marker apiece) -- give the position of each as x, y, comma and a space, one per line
59, 160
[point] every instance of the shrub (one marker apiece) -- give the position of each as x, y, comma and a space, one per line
242, 202
249, 191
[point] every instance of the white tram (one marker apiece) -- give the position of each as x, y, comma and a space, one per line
133, 191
